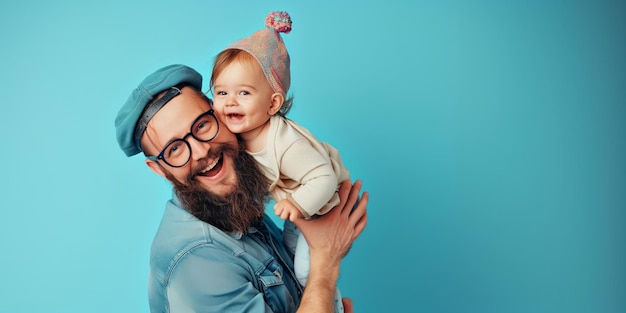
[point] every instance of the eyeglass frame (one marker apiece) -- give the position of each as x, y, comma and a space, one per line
161, 154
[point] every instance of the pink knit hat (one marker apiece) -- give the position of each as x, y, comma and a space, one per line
269, 50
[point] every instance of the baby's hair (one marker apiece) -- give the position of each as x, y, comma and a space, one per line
226, 57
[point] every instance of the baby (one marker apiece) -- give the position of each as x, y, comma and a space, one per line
250, 81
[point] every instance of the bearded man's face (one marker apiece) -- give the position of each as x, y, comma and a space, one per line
220, 184
176, 121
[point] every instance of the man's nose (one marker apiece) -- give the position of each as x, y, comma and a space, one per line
199, 149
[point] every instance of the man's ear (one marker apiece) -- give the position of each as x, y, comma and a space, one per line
155, 168
276, 102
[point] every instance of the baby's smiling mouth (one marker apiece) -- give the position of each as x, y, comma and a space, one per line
234, 116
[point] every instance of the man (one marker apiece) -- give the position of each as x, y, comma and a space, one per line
216, 250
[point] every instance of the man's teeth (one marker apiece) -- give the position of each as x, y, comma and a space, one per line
211, 166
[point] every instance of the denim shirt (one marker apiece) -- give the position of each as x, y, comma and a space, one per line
196, 267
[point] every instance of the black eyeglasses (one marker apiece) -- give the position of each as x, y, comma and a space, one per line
178, 151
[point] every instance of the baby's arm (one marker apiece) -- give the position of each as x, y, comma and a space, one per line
314, 174
286, 210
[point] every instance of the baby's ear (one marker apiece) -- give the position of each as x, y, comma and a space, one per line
276, 103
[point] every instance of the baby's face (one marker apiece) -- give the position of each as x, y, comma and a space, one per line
243, 98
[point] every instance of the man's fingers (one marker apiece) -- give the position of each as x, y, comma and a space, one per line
359, 215
344, 189
352, 197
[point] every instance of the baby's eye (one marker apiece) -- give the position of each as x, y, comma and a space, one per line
220, 93
244, 93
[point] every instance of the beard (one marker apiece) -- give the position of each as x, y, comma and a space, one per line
239, 209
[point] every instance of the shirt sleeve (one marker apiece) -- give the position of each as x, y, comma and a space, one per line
207, 279
302, 163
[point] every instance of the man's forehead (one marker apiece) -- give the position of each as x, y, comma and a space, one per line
175, 118
180, 108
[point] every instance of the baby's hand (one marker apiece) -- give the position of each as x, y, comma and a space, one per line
286, 210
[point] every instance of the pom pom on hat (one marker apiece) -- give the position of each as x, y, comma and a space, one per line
280, 21
268, 48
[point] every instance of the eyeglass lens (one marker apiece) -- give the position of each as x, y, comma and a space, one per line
178, 152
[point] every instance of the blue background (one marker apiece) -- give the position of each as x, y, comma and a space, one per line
490, 134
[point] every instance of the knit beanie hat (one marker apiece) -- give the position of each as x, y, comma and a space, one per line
268, 48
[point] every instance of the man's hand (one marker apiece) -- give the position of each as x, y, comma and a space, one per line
348, 306
330, 237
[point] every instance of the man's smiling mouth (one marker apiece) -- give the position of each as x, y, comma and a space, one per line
213, 168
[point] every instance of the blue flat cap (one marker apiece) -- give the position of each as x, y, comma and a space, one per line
126, 122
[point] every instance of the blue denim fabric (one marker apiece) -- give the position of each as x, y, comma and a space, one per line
195, 267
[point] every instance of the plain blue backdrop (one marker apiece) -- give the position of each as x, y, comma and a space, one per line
491, 136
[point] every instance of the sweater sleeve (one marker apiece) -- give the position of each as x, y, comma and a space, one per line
314, 173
